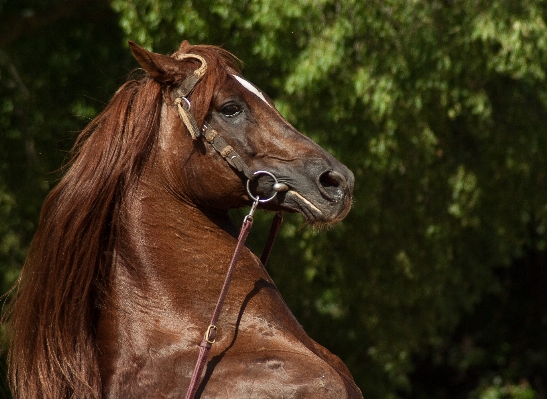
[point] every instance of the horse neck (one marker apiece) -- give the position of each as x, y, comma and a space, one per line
168, 247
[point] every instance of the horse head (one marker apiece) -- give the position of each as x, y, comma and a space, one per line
310, 180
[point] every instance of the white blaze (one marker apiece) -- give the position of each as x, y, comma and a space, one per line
249, 86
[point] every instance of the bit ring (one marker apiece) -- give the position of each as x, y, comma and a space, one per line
257, 198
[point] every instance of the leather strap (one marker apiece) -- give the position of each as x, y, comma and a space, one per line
184, 90
235, 161
274, 229
226, 150
209, 338
183, 108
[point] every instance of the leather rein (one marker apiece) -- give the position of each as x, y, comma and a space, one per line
237, 163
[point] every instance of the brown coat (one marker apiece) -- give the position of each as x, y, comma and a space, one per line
133, 245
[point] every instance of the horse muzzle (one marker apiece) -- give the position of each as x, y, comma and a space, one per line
322, 195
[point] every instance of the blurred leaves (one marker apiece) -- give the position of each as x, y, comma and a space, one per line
437, 107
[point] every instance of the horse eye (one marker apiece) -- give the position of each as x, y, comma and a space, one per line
231, 110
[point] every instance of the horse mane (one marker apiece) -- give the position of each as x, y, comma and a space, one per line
56, 302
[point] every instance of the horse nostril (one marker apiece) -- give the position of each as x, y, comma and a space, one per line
331, 179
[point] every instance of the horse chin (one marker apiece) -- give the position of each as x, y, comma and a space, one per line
316, 213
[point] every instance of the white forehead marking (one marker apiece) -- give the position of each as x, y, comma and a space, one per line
249, 86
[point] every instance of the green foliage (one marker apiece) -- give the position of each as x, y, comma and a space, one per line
10, 246
437, 107
51, 84
497, 390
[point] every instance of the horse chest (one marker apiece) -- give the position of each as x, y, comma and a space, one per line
256, 356
254, 374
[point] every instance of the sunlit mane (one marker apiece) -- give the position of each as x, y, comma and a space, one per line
68, 263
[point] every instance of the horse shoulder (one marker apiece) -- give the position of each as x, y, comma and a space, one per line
266, 352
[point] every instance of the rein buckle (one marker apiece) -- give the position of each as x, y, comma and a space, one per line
210, 334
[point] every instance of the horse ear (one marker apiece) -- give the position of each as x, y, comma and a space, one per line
160, 67
184, 47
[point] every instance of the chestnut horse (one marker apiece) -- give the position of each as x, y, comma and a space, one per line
133, 245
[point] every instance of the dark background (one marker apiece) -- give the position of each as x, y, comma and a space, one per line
435, 286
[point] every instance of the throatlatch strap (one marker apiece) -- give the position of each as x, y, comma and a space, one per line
184, 90
183, 108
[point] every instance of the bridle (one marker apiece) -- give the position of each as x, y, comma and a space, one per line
238, 164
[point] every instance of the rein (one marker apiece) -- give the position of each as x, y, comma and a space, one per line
210, 334
237, 163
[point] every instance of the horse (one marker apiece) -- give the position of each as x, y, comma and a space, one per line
133, 243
